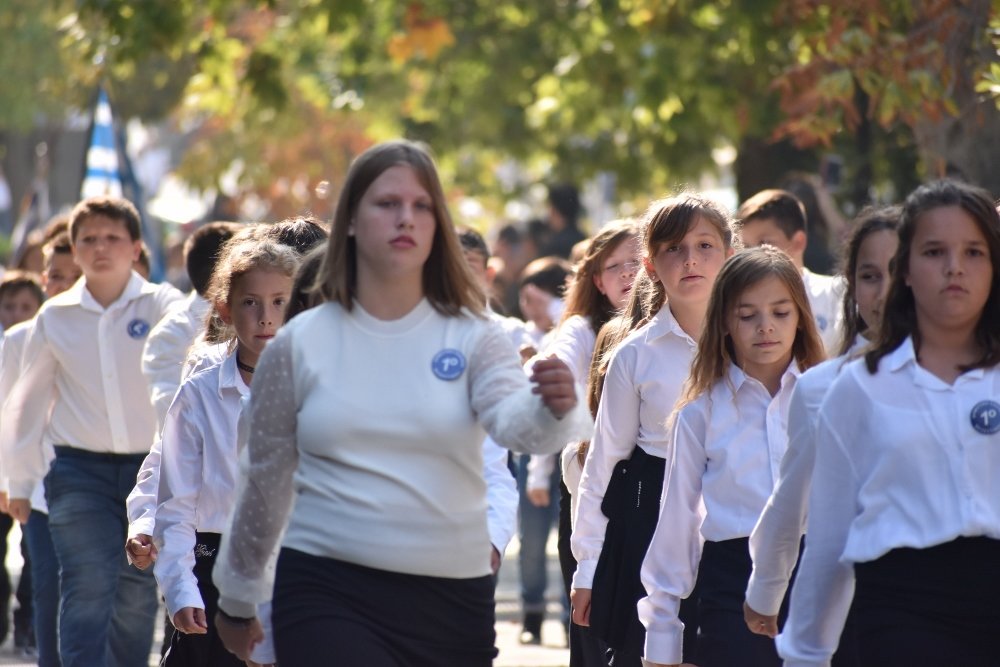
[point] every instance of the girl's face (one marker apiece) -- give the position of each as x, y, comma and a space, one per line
763, 323
614, 276
256, 309
950, 269
871, 277
394, 225
688, 268
537, 306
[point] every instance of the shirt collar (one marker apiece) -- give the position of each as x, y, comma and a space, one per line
736, 378
664, 323
230, 378
137, 285
906, 355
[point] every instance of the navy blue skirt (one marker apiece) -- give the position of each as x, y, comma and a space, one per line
329, 612
933, 606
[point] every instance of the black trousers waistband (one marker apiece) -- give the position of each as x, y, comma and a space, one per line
67, 452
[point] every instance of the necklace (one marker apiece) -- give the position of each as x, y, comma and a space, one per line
243, 367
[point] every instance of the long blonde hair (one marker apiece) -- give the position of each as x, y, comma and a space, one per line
715, 348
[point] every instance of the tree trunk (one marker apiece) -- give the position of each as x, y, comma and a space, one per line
967, 145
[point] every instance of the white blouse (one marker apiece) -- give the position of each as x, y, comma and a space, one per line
728, 445
377, 439
911, 461
643, 382
774, 542
197, 476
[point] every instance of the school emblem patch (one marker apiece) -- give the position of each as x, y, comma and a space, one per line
985, 417
448, 364
138, 328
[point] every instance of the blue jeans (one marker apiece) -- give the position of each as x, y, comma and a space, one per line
534, 526
108, 607
45, 588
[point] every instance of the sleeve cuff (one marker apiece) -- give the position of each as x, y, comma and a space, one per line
664, 647
21, 488
764, 599
237, 608
143, 526
584, 575
181, 599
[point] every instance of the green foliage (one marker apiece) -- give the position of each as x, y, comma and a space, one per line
642, 88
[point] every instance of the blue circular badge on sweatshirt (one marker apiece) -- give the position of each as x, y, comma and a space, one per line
448, 364
985, 417
138, 328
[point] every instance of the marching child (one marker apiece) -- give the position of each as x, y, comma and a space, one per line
728, 439
249, 291
82, 389
685, 240
907, 446
774, 543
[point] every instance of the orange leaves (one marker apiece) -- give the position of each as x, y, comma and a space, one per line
893, 51
422, 36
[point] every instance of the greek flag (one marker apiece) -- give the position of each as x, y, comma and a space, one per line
102, 176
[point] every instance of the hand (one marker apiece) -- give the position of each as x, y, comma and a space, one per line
494, 560
759, 623
539, 497
141, 551
4, 498
239, 638
527, 352
554, 383
19, 508
580, 599
191, 621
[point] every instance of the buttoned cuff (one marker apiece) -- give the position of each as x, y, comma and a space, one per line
584, 575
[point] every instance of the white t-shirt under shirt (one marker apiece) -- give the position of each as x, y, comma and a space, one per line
377, 438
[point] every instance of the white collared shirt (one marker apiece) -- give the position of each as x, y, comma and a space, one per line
826, 297
167, 347
11, 354
774, 543
87, 357
643, 382
901, 454
728, 445
197, 476
572, 343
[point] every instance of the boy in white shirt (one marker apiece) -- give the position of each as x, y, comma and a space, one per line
778, 218
82, 360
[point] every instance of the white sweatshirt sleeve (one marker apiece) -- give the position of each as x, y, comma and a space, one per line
502, 398
244, 572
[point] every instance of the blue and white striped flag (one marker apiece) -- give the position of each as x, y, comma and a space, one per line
102, 176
